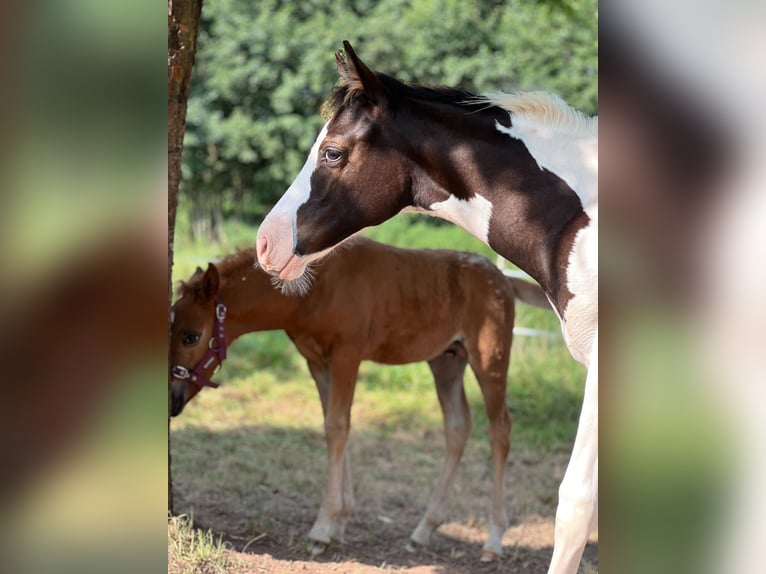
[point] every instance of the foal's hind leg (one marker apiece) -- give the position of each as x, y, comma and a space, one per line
489, 361
447, 369
338, 499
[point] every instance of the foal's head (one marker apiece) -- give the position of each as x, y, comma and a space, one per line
361, 171
192, 330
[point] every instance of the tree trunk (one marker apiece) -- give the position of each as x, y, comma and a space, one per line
183, 28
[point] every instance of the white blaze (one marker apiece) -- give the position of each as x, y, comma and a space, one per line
300, 189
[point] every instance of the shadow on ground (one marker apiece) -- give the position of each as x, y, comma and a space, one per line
260, 487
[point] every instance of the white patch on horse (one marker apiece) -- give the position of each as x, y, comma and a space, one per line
299, 191
561, 139
472, 214
580, 321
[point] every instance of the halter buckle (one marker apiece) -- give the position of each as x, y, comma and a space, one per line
220, 311
180, 372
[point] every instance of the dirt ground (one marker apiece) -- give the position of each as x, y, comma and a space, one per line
265, 526
453, 551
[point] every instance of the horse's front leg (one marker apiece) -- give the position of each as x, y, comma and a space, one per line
338, 499
576, 514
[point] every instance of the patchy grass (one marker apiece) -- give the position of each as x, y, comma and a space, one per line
193, 550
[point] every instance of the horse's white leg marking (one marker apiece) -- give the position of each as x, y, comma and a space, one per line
276, 236
578, 493
572, 157
457, 428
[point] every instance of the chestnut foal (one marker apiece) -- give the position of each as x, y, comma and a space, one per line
369, 302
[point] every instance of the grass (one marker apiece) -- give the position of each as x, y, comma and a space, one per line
193, 550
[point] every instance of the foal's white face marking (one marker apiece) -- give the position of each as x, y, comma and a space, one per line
572, 157
472, 214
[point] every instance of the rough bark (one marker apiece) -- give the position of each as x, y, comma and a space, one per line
183, 29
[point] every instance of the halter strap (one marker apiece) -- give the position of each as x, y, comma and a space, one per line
216, 349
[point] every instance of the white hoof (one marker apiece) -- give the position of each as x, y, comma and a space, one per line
316, 548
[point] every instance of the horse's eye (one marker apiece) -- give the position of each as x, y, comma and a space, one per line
332, 155
190, 339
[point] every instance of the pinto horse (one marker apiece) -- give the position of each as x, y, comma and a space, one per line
370, 302
518, 171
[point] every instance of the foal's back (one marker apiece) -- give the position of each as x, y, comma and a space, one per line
409, 305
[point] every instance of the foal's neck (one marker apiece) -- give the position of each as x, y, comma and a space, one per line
254, 304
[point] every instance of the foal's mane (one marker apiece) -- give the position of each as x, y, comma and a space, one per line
345, 93
241, 260
541, 109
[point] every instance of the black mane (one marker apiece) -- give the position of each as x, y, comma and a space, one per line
344, 94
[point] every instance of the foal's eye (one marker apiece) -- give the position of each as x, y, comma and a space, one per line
190, 339
332, 155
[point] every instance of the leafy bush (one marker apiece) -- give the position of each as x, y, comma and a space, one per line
264, 68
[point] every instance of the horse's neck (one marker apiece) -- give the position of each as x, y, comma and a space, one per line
253, 304
541, 250
494, 188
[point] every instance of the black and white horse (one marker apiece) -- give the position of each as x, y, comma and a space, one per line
518, 171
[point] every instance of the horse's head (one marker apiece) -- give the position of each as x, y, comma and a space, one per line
192, 334
354, 177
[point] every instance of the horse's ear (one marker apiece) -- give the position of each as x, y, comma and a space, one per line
210, 286
357, 76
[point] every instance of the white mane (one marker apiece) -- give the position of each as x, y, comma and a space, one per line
541, 109
560, 138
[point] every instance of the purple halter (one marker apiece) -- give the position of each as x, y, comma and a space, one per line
216, 349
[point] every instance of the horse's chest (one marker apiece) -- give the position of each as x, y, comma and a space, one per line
580, 320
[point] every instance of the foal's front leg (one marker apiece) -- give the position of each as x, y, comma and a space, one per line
338, 498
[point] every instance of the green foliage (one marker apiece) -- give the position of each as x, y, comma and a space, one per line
264, 68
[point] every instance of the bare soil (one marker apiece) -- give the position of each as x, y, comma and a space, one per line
265, 525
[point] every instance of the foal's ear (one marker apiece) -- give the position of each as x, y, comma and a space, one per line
358, 76
210, 286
